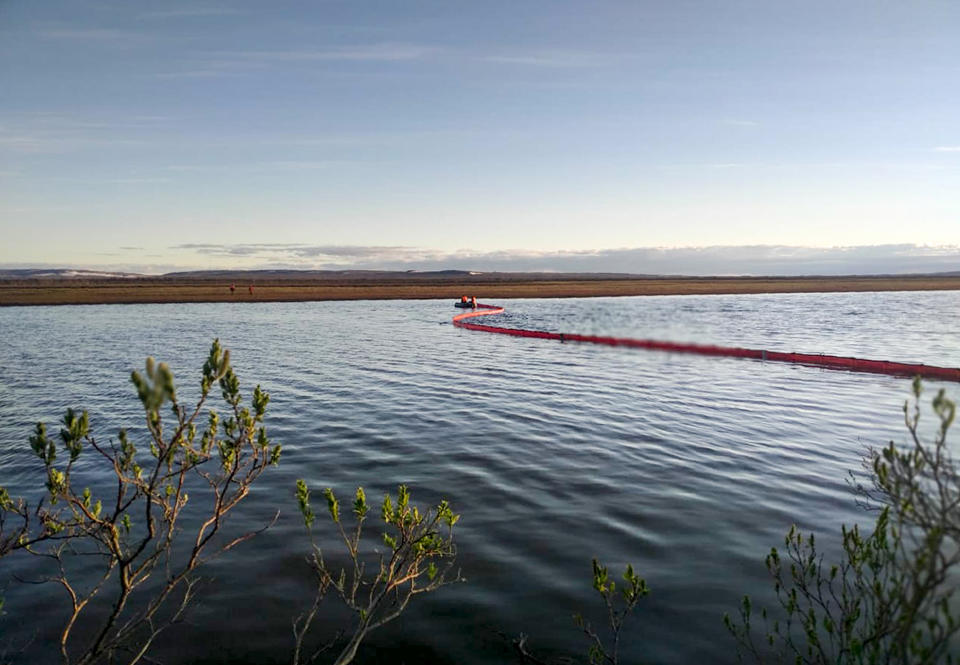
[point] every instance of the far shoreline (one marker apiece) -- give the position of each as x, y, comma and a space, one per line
159, 290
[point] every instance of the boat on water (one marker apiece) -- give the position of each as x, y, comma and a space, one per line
466, 303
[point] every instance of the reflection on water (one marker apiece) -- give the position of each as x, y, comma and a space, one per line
689, 467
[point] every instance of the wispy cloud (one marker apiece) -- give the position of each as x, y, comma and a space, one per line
57, 143
37, 209
558, 58
199, 73
226, 63
60, 121
306, 165
266, 166
330, 254
811, 166
235, 63
41, 132
131, 181
97, 36
190, 12
947, 148
30, 143
725, 165
387, 52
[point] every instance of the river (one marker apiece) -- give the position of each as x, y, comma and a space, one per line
689, 467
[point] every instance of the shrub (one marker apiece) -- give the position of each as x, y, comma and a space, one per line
618, 607
889, 598
418, 558
134, 530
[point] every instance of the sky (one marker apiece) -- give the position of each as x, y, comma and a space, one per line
707, 137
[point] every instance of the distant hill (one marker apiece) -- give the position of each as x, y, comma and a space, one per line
64, 273
305, 276
340, 277
385, 275
311, 274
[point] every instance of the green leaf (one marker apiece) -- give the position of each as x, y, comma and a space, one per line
303, 499
360, 507
332, 504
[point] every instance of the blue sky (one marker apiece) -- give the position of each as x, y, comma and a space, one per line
494, 135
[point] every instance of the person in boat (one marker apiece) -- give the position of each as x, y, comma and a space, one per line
463, 299
473, 302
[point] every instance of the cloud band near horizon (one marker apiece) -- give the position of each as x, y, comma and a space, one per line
774, 260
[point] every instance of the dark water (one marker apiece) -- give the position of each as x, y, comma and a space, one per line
689, 467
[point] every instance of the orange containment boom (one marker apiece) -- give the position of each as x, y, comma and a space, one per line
812, 359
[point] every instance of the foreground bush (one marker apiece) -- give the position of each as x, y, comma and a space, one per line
134, 529
125, 548
379, 586
890, 597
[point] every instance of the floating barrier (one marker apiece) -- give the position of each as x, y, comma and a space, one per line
811, 359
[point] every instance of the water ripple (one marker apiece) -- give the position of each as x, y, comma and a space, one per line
689, 467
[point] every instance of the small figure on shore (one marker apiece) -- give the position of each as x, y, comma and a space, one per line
233, 287
251, 289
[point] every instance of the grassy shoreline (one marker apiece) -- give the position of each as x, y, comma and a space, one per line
64, 292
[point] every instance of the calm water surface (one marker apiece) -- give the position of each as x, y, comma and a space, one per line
689, 467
